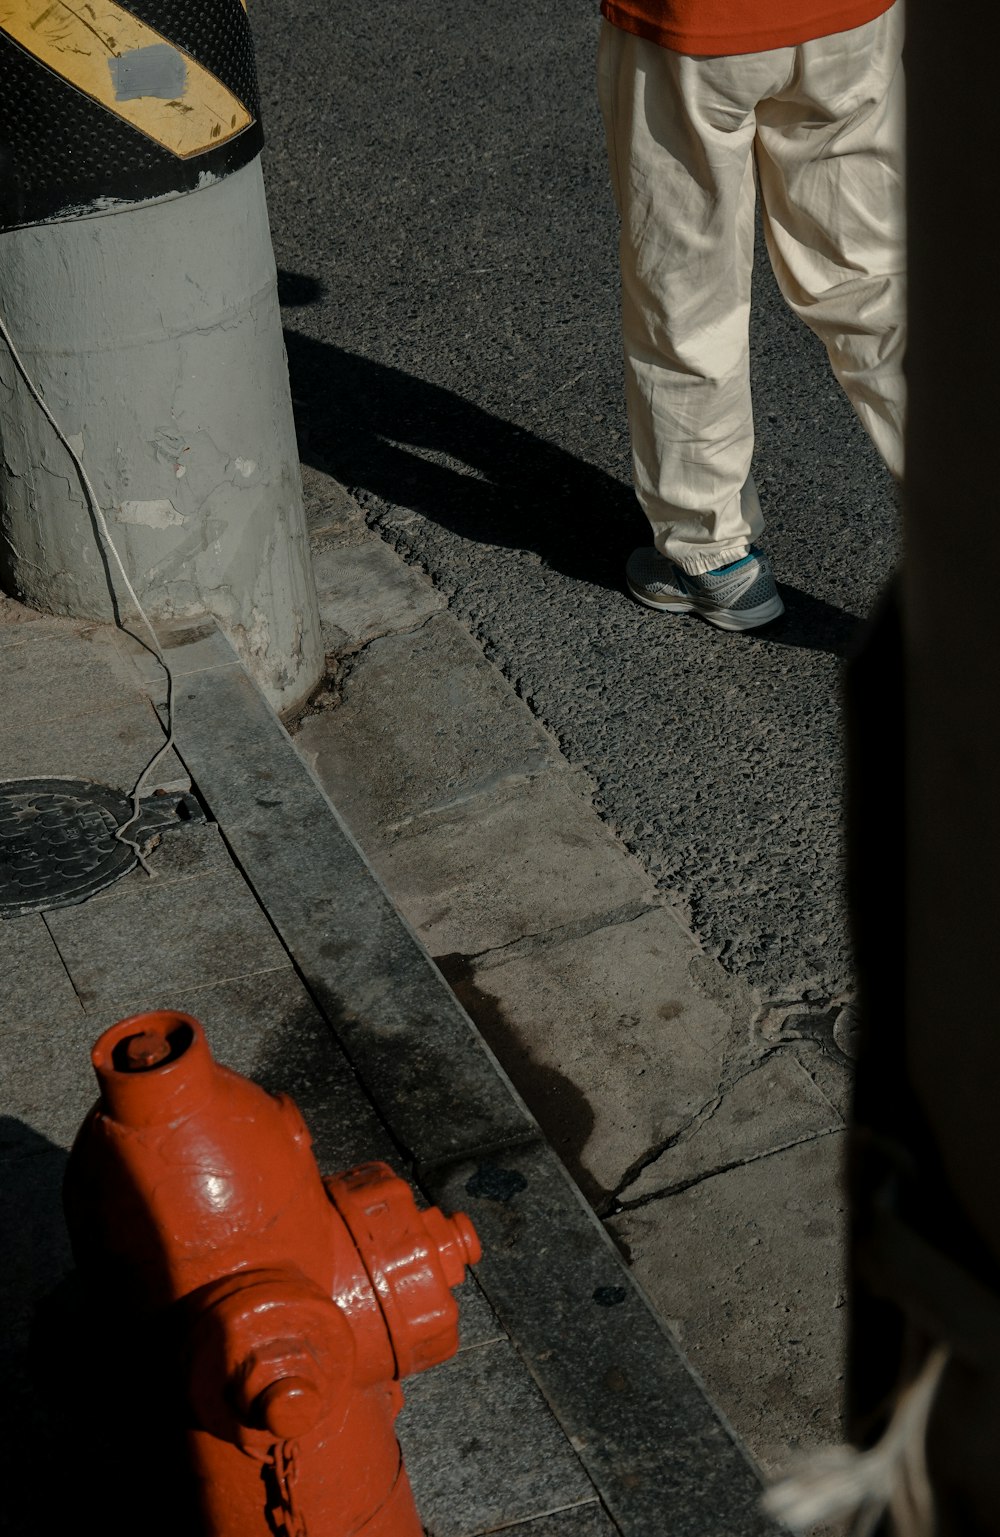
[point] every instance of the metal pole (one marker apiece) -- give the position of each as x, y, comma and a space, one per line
138, 285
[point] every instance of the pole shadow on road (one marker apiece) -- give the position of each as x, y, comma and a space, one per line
418, 445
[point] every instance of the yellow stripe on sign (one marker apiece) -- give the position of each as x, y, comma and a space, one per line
109, 55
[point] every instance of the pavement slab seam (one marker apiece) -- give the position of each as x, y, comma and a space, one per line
353, 651
63, 963
476, 792
557, 1510
613, 1204
179, 993
542, 939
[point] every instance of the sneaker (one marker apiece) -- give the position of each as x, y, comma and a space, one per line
736, 597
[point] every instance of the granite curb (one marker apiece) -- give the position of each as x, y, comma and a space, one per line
651, 1443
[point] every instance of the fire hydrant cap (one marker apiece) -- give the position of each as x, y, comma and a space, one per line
289, 1407
147, 1049
270, 1355
456, 1241
152, 1067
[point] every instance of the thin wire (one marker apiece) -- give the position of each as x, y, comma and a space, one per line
105, 535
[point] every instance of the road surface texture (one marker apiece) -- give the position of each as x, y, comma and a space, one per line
447, 240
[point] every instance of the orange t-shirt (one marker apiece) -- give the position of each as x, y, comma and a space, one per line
714, 27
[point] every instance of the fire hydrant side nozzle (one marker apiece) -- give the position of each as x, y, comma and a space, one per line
293, 1305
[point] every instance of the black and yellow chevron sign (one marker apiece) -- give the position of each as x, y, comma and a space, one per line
110, 55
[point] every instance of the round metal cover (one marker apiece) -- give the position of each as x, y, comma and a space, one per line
57, 842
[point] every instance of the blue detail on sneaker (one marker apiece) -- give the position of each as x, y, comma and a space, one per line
753, 554
740, 596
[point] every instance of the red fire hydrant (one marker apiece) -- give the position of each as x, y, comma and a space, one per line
293, 1304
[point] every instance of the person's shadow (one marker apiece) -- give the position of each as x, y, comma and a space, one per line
386, 434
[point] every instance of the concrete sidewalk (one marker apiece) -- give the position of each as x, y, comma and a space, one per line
705, 1131
569, 1411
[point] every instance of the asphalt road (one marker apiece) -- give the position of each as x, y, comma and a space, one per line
447, 246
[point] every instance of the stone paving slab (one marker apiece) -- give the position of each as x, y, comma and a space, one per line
476, 733
46, 1081
659, 1457
748, 1268
70, 706
366, 591
20, 625
107, 744
522, 859
36, 985
184, 853
770, 1107
142, 947
330, 509
59, 678
611, 1046
484, 1446
36, 1256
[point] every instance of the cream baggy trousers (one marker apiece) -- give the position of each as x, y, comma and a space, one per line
820, 128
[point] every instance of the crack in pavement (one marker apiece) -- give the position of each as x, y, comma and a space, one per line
330, 692
683, 1134
724, 1168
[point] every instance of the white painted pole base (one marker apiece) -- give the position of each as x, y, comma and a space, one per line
154, 335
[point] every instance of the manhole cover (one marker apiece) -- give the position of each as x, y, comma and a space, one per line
57, 842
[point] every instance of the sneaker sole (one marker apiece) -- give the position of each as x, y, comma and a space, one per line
722, 618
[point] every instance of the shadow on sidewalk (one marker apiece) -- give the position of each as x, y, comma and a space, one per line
52, 1460
414, 444
76, 1436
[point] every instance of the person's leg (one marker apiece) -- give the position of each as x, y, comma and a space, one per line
830, 157
680, 136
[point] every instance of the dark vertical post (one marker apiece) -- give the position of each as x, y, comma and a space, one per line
925, 814
952, 659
